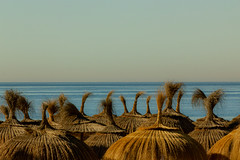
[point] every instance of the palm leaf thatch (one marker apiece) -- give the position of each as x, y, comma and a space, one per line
148, 112
102, 116
52, 108
134, 109
171, 89
170, 117
24, 105
209, 131
46, 143
70, 119
4, 110
11, 127
226, 148
102, 140
156, 142
62, 99
84, 98
124, 104
11, 98
180, 94
132, 120
234, 123
200, 99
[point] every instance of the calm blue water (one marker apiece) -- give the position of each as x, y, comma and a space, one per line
38, 92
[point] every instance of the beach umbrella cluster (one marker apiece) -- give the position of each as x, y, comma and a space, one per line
68, 133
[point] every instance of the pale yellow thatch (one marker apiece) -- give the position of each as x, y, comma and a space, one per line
226, 148
45, 143
156, 142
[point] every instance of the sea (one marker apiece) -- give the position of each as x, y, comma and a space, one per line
38, 92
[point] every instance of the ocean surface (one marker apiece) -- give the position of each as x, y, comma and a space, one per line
37, 92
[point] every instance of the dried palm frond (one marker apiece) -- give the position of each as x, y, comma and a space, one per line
198, 97
4, 110
84, 98
62, 99
148, 112
124, 104
134, 109
46, 143
52, 108
180, 94
11, 98
24, 105
156, 142
170, 89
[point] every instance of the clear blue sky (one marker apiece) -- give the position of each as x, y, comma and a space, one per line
108, 40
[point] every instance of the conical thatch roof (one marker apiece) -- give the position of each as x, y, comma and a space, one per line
45, 143
102, 140
102, 117
209, 131
11, 127
170, 117
226, 148
84, 98
132, 120
199, 99
156, 142
148, 112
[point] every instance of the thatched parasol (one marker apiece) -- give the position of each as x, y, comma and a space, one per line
199, 98
72, 120
209, 131
102, 117
132, 120
226, 148
11, 127
46, 143
170, 117
148, 112
156, 142
102, 140
84, 98
24, 105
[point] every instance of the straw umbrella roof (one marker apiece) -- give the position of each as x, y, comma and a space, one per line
72, 120
11, 127
46, 143
198, 100
132, 120
102, 117
102, 140
209, 131
170, 117
226, 148
156, 142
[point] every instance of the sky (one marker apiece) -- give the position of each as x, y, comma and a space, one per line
119, 41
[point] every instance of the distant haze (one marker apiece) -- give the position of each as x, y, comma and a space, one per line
119, 41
